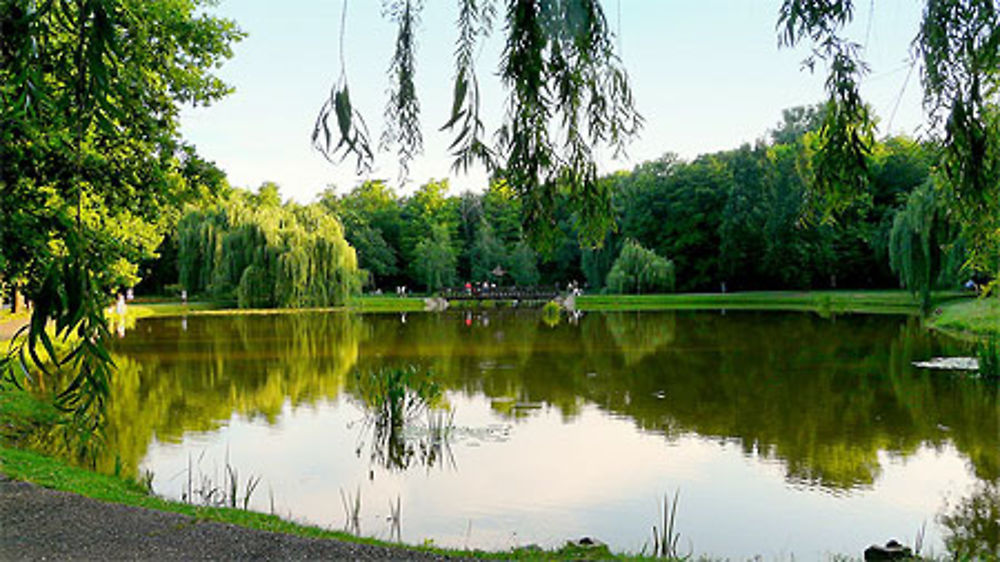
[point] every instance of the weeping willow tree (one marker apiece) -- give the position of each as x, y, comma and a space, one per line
638, 269
957, 50
921, 249
263, 254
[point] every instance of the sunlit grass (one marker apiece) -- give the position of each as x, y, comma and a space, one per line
970, 317
823, 302
386, 303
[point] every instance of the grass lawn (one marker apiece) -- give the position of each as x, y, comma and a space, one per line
971, 317
872, 302
386, 303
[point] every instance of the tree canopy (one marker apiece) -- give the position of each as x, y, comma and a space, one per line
958, 50
92, 156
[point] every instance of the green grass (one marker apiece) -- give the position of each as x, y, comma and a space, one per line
7, 315
19, 410
145, 310
20, 413
969, 317
386, 303
50, 473
872, 302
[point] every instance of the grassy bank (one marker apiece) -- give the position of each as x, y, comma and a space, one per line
19, 412
870, 302
968, 318
45, 471
386, 303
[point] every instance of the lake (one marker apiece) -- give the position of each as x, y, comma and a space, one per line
783, 433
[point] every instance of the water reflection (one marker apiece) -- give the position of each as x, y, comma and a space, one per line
973, 524
831, 403
824, 397
396, 400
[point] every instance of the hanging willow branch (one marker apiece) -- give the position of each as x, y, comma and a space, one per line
559, 65
568, 95
348, 134
475, 23
846, 134
959, 43
402, 112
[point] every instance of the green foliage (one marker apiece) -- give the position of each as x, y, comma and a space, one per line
266, 254
522, 265
370, 214
960, 55
739, 217
487, 253
638, 269
551, 314
435, 260
988, 353
973, 525
563, 77
911, 250
90, 94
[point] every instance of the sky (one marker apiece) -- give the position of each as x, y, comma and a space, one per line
707, 75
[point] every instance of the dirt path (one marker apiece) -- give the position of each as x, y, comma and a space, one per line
10, 327
41, 524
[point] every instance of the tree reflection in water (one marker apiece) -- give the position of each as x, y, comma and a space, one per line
828, 398
973, 524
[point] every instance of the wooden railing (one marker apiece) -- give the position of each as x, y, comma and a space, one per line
500, 293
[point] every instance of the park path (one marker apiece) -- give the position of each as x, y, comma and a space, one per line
41, 524
10, 327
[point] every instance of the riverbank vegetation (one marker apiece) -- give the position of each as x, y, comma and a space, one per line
253, 249
102, 193
736, 220
978, 317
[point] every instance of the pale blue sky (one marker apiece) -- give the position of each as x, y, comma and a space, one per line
707, 76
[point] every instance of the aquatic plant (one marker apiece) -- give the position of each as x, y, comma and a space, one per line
352, 511
217, 494
551, 313
665, 538
395, 530
393, 398
988, 353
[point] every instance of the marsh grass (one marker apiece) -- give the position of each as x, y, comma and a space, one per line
665, 538
988, 354
352, 511
393, 399
218, 492
395, 519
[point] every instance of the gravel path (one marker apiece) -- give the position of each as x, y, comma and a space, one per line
41, 524
10, 327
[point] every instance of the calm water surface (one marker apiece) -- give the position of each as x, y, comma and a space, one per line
786, 434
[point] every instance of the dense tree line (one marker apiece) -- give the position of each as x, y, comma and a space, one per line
740, 219
93, 168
